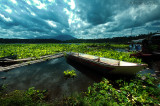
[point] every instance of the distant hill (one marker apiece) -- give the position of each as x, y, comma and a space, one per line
64, 37
58, 37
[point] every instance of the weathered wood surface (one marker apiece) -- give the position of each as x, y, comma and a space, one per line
29, 61
107, 65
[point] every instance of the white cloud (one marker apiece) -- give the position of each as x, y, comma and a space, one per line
72, 4
81, 18
28, 2
52, 1
71, 16
51, 23
67, 11
36, 1
4, 18
14, 1
32, 13
63, 31
52, 31
41, 6
8, 10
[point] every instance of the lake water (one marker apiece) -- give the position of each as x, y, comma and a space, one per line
48, 76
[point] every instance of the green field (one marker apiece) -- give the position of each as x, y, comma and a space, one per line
37, 50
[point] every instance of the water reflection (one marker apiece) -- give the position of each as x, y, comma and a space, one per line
47, 75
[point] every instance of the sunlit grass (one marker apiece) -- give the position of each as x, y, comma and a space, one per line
37, 50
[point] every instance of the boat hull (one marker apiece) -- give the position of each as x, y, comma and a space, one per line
103, 68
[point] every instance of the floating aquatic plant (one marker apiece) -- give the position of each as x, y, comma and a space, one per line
69, 73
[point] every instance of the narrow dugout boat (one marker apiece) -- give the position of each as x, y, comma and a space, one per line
106, 65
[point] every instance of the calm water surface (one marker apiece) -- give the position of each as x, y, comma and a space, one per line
49, 76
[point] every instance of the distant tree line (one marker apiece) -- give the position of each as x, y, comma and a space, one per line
105, 40
29, 41
111, 40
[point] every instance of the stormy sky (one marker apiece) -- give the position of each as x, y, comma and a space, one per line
78, 18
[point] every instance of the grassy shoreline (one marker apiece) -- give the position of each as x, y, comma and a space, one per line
142, 90
21, 51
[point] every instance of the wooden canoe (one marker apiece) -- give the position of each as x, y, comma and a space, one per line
106, 65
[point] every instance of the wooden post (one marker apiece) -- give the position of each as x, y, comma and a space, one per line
118, 63
98, 59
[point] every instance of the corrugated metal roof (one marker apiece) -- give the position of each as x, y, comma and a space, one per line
156, 35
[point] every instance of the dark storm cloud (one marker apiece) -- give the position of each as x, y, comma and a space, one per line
118, 15
97, 11
156, 23
101, 11
33, 16
80, 18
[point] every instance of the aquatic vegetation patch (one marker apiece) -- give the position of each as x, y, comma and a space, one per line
30, 97
139, 91
20, 51
69, 74
142, 90
115, 55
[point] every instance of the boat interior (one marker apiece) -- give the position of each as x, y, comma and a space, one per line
103, 60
